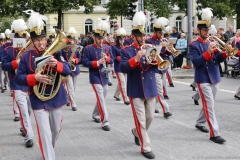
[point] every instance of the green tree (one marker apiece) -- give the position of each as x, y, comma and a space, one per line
164, 8
5, 23
15, 7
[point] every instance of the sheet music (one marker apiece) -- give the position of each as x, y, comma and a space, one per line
41, 61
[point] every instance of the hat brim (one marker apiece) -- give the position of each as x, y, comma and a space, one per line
34, 35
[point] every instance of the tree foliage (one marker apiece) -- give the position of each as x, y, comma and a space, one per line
15, 7
164, 8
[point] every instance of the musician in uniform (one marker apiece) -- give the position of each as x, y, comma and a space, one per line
73, 58
155, 40
47, 107
206, 58
121, 77
2, 40
96, 57
51, 36
20, 92
141, 85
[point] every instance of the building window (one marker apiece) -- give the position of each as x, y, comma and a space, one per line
179, 23
88, 26
193, 19
104, 2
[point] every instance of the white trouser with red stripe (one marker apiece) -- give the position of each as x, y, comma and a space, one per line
15, 106
24, 105
48, 124
169, 75
164, 82
121, 87
160, 98
100, 109
143, 114
238, 92
71, 85
207, 93
3, 78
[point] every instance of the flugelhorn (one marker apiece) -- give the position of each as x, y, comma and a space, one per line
152, 53
171, 49
221, 45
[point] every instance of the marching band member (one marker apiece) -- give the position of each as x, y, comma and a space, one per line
159, 26
141, 85
51, 36
2, 84
205, 58
237, 94
73, 59
20, 92
48, 111
165, 54
169, 70
96, 57
116, 51
129, 41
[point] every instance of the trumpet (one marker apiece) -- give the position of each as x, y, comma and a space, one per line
221, 45
171, 49
152, 53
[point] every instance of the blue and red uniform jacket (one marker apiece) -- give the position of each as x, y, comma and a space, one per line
164, 53
116, 51
141, 81
26, 76
206, 65
238, 54
7, 44
67, 54
9, 64
128, 41
91, 55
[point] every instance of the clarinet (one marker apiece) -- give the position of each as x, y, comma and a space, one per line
104, 69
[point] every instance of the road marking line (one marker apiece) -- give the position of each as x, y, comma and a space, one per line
223, 90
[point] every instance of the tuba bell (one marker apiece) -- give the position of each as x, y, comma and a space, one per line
43, 91
152, 53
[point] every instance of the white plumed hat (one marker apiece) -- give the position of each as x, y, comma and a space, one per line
36, 24
71, 32
121, 32
138, 22
167, 30
2, 36
205, 23
160, 24
19, 27
52, 33
102, 27
213, 30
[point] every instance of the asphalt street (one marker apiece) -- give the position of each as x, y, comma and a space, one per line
175, 138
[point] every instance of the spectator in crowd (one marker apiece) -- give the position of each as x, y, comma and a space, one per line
175, 33
181, 31
89, 38
229, 32
182, 46
225, 36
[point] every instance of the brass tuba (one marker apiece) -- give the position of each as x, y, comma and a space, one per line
43, 91
220, 45
152, 53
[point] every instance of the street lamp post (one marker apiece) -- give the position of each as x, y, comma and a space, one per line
190, 9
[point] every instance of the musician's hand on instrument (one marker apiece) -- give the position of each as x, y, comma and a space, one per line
212, 46
18, 61
73, 60
42, 78
52, 62
163, 44
101, 61
140, 53
104, 55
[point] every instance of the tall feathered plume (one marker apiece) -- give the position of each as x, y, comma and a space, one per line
161, 22
7, 32
213, 30
52, 31
72, 30
121, 32
168, 29
139, 19
207, 14
35, 20
2, 35
103, 24
19, 25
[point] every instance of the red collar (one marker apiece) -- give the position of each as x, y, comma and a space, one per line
36, 51
155, 37
201, 40
135, 45
95, 45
